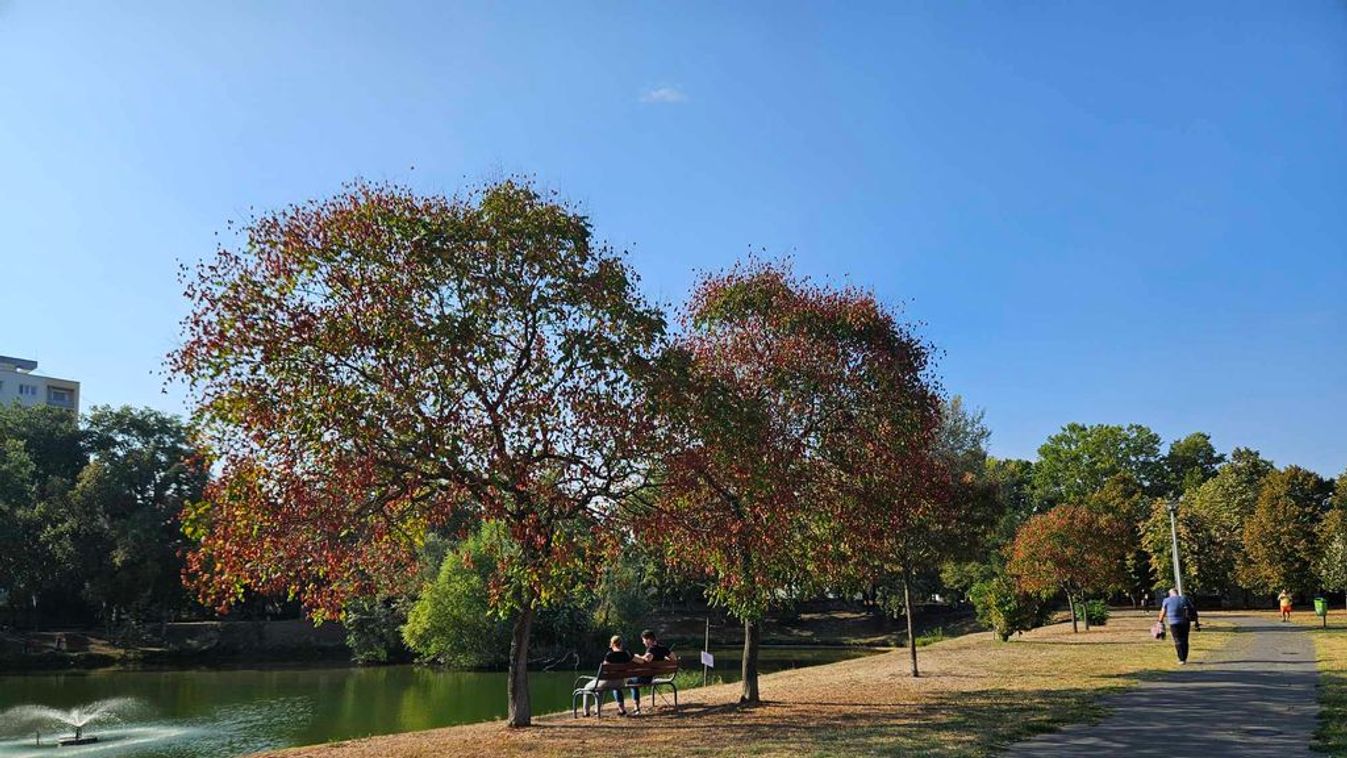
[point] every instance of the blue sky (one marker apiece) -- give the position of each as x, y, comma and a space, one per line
1101, 212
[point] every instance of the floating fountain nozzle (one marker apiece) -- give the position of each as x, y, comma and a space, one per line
78, 739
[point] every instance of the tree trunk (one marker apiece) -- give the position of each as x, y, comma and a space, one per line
517, 687
1085, 612
749, 672
1071, 603
911, 636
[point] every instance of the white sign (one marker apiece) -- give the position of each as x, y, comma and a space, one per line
708, 660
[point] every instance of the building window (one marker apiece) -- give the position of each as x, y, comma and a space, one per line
58, 396
28, 389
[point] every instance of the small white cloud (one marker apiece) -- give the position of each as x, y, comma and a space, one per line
664, 95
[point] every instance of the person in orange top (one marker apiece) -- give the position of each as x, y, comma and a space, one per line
1284, 600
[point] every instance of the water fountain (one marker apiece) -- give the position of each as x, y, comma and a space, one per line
34, 718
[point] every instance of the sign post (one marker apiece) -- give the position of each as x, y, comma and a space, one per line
708, 660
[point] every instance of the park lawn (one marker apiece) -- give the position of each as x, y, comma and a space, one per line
1330, 649
975, 695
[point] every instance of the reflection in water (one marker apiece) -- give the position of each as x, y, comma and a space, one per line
215, 713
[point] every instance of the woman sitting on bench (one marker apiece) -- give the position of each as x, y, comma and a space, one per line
617, 653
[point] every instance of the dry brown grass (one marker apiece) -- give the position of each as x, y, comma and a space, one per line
975, 694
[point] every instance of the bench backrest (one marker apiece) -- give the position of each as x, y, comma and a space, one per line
636, 668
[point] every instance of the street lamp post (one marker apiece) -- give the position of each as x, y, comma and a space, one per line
1173, 507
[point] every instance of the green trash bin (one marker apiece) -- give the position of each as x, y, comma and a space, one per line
1320, 607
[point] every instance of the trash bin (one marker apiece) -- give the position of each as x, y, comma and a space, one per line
1320, 607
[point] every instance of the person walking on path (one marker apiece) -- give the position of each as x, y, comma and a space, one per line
1178, 612
1284, 601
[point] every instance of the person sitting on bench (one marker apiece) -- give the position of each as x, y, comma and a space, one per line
617, 653
654, 651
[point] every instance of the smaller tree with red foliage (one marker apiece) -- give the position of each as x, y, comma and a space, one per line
1071, 549
764, 375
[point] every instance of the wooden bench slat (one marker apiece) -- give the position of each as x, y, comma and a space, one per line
621, 670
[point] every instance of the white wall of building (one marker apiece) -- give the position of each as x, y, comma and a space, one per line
19, 385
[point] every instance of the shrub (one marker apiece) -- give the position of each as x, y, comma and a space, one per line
930, 638
1003, 607
452, 621
1095, 612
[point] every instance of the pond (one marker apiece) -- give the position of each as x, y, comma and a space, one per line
230, 712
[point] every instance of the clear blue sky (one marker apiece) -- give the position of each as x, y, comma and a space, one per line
1102, 212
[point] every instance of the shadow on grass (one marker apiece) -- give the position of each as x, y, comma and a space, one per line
942, 724
1077, 642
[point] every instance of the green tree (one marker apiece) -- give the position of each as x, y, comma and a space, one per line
1001, 605
1006, 488
1205, 563
41, 454
1280, 536
961, 439
373, 628
1190, 462
1339, 499
1330, 564
1012, 481
1122, 498
626, 588
1077, 461
17, 493
1211, 525
142, 473
452, 621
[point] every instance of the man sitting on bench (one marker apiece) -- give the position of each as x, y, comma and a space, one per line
654, 651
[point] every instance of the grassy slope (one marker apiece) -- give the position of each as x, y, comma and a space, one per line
976, 695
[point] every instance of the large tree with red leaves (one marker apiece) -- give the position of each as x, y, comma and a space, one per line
1071, 549
765, 376
368, 368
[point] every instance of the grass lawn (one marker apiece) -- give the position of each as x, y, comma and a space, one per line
1330, 648
975, 695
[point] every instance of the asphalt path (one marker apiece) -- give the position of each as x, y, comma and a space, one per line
1253, 697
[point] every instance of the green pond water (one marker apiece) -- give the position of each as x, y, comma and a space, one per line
230, 712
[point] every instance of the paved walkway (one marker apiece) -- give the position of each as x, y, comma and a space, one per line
1254, 697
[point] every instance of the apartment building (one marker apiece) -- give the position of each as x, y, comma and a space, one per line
19, 384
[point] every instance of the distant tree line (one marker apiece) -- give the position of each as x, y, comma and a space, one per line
1091, 517
89, 516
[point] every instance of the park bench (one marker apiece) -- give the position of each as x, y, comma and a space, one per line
615, 676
